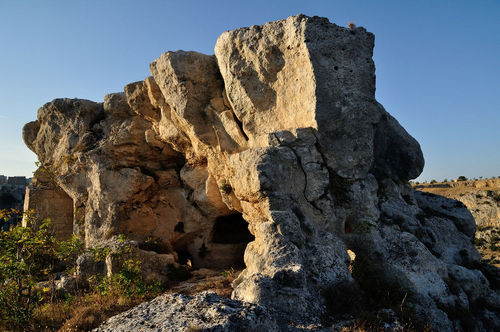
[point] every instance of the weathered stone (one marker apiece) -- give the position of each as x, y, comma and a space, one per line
42, 195
203, 312
481, 197
305, 72
275, 146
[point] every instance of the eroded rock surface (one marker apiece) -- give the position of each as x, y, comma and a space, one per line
482, 198
277, 140
201, 312
42, 195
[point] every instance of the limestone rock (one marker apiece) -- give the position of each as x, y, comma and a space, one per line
41, 197
481, 197
276, 147
202, 312
305, 72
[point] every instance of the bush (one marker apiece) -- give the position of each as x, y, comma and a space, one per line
27, 256
31, 257
461, 178
128, 281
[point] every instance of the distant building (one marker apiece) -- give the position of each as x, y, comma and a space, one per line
17, 180
12, 191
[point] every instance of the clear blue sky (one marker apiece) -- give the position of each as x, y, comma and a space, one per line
438, 62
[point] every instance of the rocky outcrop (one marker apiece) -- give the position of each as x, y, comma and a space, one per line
484, 206
481, 197
275, 146
202, 312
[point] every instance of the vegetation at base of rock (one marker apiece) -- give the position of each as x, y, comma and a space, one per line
31, 258
81, 312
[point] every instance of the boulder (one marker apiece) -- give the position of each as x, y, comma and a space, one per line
275, 146
202, 312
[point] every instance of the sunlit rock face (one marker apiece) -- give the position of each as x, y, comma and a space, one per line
275, 147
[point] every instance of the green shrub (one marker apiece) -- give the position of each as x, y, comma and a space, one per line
68, 251
27, 256
128, 281
30, 255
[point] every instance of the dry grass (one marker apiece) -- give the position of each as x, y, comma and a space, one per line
221, 286
457, 188
370, 327
373, 322
490, 256
83, 313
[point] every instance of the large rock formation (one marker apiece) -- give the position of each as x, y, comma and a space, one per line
275, 146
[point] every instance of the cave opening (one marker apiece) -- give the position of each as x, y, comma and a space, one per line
231, 229
230, 237
184, 257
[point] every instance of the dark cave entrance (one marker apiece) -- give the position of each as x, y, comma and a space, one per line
184, 257
232, 229
230, 237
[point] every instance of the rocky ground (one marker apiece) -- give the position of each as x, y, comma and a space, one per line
202, 302
482, 199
